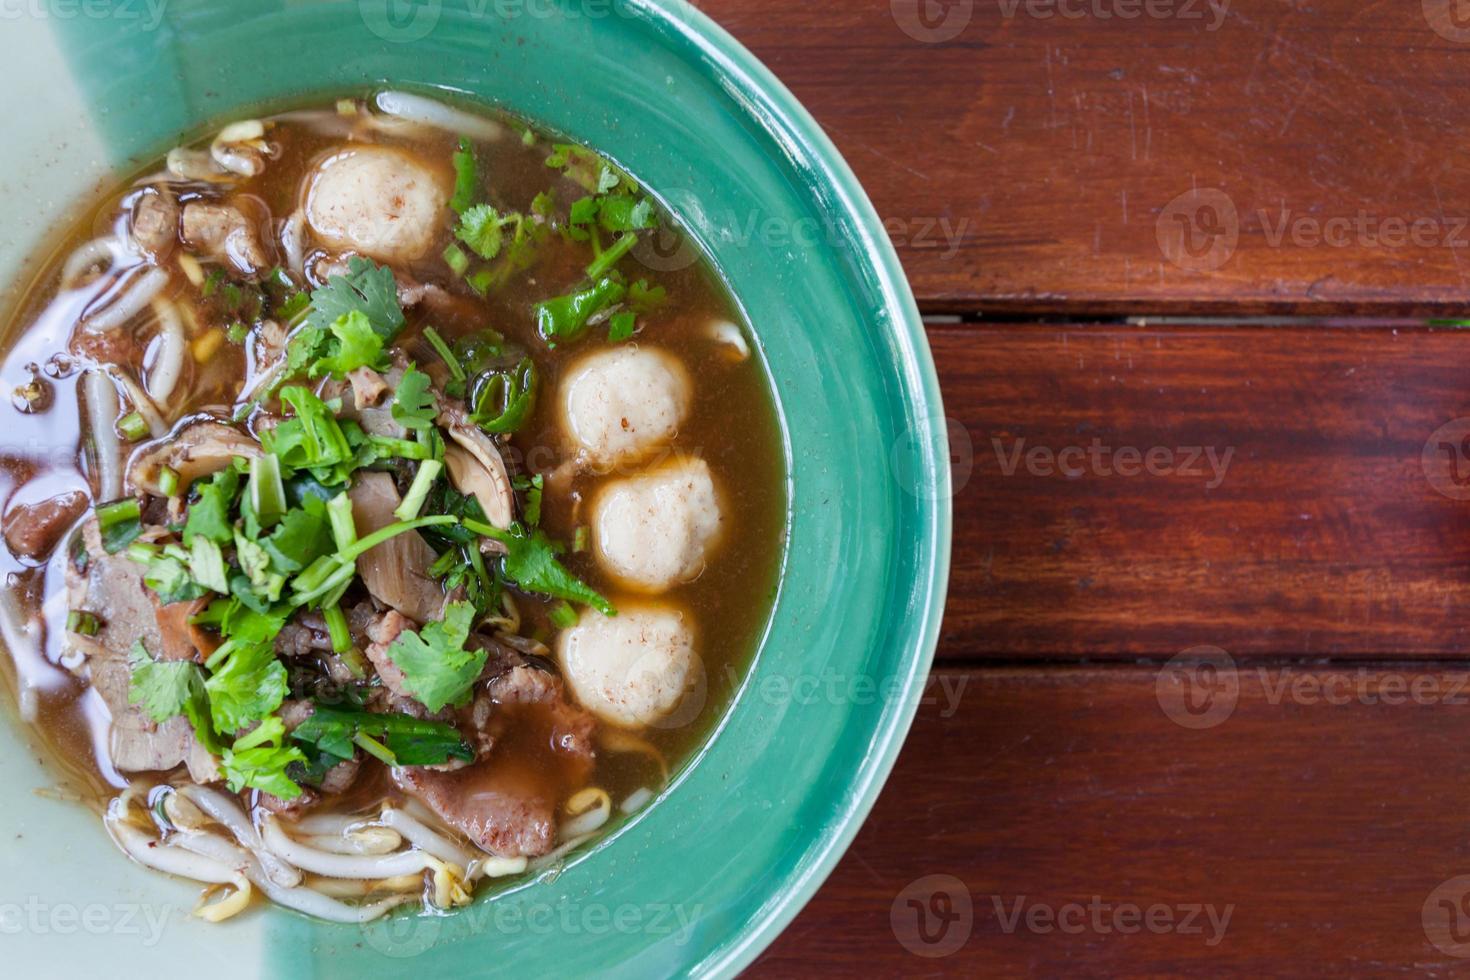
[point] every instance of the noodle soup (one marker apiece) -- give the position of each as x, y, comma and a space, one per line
378, 521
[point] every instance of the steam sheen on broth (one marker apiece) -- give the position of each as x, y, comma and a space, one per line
392, 503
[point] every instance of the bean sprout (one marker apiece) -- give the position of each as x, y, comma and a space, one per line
135, 296
361, 840
426, 839
427, 112
141, 402
164, 376
102, 408
340, 865
225, 810
144, 849
87, 256
589, 810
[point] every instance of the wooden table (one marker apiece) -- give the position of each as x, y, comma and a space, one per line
1177, 268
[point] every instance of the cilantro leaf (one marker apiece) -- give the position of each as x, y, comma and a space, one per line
437, 669
259, 761
162, 689
531, 563
311, 440
209, 516
413, 404
367, 289
482, 228
249, 687
356, 345
169, 577
166, 689
621, 327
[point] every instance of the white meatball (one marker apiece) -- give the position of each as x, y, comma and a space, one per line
622, 402
632, 669
378, 201
654, 531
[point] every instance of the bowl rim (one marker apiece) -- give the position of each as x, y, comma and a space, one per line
701, 35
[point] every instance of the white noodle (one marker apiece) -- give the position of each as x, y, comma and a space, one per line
19, 631
225, 810
363, 840
339, 865
302, 899
137, 295
425, 838
102, 409
416, 108
636, 800
86, 257
590, 809
293, 243
330, 824
141, 402
164, 376
145, 850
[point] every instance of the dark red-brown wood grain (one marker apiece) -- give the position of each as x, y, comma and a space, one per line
1036, 175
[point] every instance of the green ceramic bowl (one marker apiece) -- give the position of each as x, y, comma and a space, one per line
701, 881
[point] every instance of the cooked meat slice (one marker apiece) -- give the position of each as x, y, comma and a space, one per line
33, 530
654, 531
571, 727
383, 633
223, 233
380, 201
155, 222
504, 809
292, 807
197, 451
619, 404
396, 572
111, 588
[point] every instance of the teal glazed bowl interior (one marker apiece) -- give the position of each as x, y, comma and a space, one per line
702, 880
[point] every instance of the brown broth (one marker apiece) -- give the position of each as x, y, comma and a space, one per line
732, 426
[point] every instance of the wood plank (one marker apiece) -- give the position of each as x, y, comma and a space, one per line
1324, 535
1325, 828
1026, 163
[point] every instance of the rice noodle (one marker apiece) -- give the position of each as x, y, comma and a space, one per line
425, 838
637, 800
141, 402
427, 112
134, 297
145, 850
293, 243
360, 840
340, 865
102, 409
229, 814
87, 256
303, 899
589, 810
330, 824
164, 376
